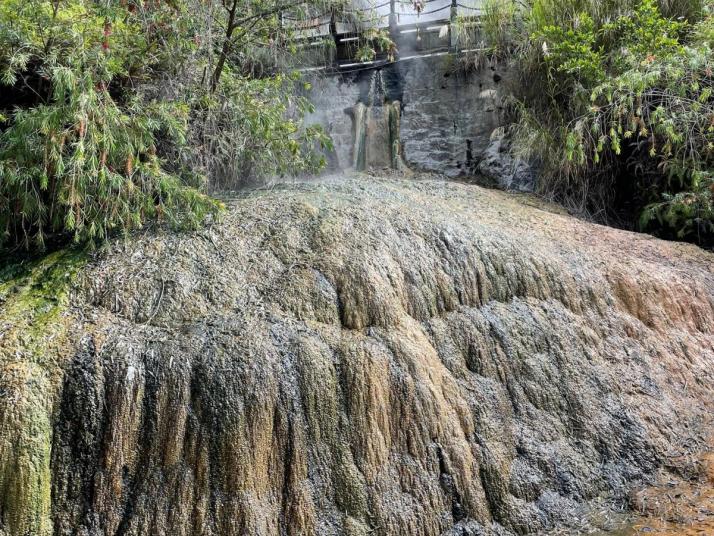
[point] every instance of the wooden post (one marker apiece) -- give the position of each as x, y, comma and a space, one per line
335, 39
453, 45
393, 20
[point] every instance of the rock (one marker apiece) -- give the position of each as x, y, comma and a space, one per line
503, 170
443, 109
352, 356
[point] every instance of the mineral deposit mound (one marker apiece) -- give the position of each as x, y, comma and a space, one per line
350, 357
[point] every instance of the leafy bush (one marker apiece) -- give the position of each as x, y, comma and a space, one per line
496, 22
690, 213
573, 50
247, 118
251, 128
121, 112
81, 158
617, 106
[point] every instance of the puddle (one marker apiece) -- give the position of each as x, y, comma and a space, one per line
678, 507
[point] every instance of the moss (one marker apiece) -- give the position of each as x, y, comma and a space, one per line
33, 298
25, 447
34, 326
350, 495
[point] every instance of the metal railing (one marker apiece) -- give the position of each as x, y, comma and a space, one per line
412, 30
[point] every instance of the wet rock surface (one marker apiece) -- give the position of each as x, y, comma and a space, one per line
354, 356
447, 115
500, 168
678, 506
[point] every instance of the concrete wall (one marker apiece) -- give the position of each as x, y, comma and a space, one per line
444, 111
334, 98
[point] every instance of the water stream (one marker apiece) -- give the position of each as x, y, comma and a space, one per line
376, 128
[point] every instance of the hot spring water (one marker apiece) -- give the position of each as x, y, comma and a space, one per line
376, 128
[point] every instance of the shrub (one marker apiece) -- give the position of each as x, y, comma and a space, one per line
121, 112
573, 50
82, 165
619, 110
80, 157
496, 22
252, 128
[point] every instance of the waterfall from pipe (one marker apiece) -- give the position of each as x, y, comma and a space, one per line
376, 128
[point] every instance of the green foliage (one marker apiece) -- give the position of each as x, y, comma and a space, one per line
689, 214
121, 112
80, 164
644, 36
373, 41
496, 21
573, 50
81, 159
251, 127
617, 106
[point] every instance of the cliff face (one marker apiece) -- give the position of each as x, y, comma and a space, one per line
357, 357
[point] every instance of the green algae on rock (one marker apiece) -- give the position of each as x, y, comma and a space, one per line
364, 356
33, 345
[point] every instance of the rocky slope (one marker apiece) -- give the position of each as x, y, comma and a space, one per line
354, 357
